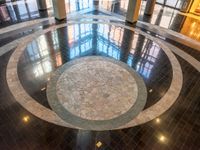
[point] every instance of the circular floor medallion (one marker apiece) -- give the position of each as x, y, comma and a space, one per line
96, 93
42, 112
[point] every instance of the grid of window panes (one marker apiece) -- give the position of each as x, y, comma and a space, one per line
172, 3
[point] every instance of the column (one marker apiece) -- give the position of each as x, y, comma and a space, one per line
42, 5
16, 10
149, 7
64, 46
116, 7
85, 140
94, 34
133, 11
59, 9
138, 50
126, 45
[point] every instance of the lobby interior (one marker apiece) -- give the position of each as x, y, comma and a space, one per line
99, 74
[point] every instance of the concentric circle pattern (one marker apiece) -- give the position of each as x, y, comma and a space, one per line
65, 115
94, 81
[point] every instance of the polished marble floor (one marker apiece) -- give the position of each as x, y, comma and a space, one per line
29, 67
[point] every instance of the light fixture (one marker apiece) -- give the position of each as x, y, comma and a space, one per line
43, 89
158, 120
151, 90
98, 144
162, 138
26, 119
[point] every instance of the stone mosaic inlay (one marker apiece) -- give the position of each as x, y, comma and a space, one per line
96, 93
96, 89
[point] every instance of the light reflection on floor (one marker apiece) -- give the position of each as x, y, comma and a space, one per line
177, 128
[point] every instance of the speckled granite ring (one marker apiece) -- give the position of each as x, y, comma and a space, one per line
96, 93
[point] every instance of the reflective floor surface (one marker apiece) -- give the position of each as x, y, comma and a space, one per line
176, 128
50, 51
19, 11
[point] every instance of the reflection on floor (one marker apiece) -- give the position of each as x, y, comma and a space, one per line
88, 39
177, 128
19, 11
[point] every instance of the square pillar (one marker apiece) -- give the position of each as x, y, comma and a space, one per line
59, 9
149, 7
42, 5
133, 11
